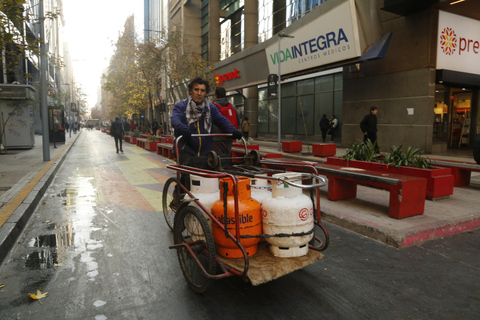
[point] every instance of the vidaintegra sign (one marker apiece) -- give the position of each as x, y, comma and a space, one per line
330, 38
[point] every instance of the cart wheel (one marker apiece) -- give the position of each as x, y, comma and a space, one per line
170, 200
192, 228
254, 157
212, 159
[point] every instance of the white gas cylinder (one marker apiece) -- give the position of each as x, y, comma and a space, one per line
288, 211
260, 189
207, 192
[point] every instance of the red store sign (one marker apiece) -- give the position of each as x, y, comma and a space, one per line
220, 79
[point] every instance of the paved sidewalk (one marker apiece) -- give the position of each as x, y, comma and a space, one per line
367, 214
24, 177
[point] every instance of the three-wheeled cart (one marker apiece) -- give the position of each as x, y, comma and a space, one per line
192, 223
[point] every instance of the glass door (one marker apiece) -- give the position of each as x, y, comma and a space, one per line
460, 106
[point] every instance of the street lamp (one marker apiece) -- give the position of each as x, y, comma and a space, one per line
280, 35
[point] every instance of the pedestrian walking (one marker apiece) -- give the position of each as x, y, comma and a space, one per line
117, 131
197, 115
126, 126
369, 127
155, 127
333, 127
324, 126
223, 145
246, 128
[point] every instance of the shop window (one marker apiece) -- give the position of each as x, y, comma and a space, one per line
289, 89
324, 83
338, 77
440, 110
273, 115
263, 116
305, 114
288, 115
323, 105
305, 86
461, 117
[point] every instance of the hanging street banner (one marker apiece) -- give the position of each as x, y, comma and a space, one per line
458, 43
332, 37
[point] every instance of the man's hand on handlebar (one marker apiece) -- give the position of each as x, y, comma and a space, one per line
237, 135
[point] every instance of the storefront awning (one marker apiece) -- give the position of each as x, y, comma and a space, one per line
378, 49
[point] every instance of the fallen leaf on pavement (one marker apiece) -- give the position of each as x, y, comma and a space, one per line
38, 296
1, 285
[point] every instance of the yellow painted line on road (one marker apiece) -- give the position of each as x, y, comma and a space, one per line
17, 201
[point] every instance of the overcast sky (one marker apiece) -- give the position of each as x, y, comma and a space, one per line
91, 29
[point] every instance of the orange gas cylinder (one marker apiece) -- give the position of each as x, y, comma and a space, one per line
249, 217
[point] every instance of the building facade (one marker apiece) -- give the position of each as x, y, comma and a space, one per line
415, 61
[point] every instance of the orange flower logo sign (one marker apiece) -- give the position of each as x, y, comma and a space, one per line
448, 41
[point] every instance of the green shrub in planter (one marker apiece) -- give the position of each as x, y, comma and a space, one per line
362, 152
136, 133
366, 152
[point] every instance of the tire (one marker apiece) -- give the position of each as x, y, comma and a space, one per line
192, 228
170, 201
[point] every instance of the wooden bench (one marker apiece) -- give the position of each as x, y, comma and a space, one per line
240, 152
165, 150
130, 139
141, 142
439, 180
407, 194
461, 171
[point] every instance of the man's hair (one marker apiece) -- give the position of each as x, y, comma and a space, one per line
117, 119
220, 92
199, 80
373, 108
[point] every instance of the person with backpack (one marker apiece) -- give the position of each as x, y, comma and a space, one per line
223, 145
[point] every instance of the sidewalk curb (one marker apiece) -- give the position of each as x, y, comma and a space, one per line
17, 221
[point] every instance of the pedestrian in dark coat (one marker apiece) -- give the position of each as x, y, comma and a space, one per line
369, 127
324, 126
155, 127
117, 131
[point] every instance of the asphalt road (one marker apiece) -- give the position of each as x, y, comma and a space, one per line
98, 244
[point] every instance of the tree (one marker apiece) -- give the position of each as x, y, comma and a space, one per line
124, 79
18, 40
136, 70
183, 64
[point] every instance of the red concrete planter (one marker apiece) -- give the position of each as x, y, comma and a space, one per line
151, 145
439, 180
324, 149
291, 146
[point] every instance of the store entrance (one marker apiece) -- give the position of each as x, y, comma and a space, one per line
461, 115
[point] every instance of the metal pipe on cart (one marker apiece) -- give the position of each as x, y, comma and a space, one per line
213, 174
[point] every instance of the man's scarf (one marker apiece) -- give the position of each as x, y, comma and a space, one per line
195, 112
